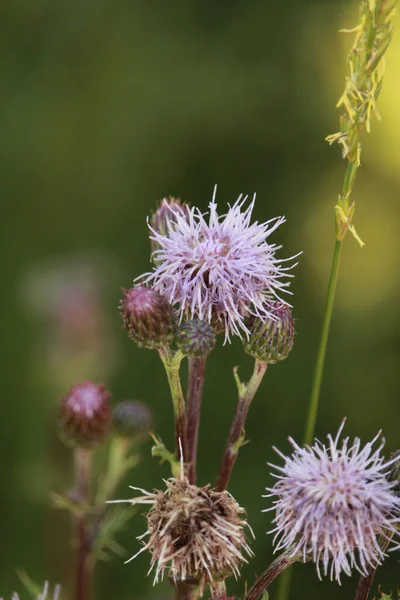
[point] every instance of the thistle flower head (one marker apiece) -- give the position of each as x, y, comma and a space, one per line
148, 317
220, 269
85, 415
193, 532
271, 339
332, 503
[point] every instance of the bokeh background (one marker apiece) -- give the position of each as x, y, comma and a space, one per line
106, 107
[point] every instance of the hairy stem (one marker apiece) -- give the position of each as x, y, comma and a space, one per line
83, 576
236, 434
172, 364
194, 395
272, 572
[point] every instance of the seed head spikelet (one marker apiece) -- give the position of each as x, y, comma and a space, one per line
220, 269
332, 502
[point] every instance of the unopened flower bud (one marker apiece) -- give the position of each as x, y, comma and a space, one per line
132, 419
164, 217
196, 338
271, 339
148, 317
85, 415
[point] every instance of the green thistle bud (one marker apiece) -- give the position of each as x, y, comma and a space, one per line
271, 340
196, 338
148, 317
164, 217
132, 419
85, 415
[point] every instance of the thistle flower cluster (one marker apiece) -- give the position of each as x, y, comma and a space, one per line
219, 270
332, 504
193, 532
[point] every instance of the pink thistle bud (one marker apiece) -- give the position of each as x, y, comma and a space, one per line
148, 317
271, 339
85, 415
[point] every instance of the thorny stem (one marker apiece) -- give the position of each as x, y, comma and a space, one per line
365, 583
172, 364
236, 434
272, 572
194, 394
83, 464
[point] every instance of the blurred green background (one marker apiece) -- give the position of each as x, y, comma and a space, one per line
106, 107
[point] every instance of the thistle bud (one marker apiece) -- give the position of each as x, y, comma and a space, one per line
196, 338
132, 419
272, 339
164, 217
148, 317
85, 415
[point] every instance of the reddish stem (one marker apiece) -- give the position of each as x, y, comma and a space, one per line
193, 407
275, 568
236, 434
83, 461
365, 583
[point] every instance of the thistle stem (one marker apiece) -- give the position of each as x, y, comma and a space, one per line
365, 583
236, 435
187, 590
218, 590
83, 469
172, 365
272, 572
194, 395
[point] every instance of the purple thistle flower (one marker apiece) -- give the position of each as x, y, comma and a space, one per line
219, 270
332, 504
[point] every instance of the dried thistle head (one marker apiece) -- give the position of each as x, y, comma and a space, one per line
193, 532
